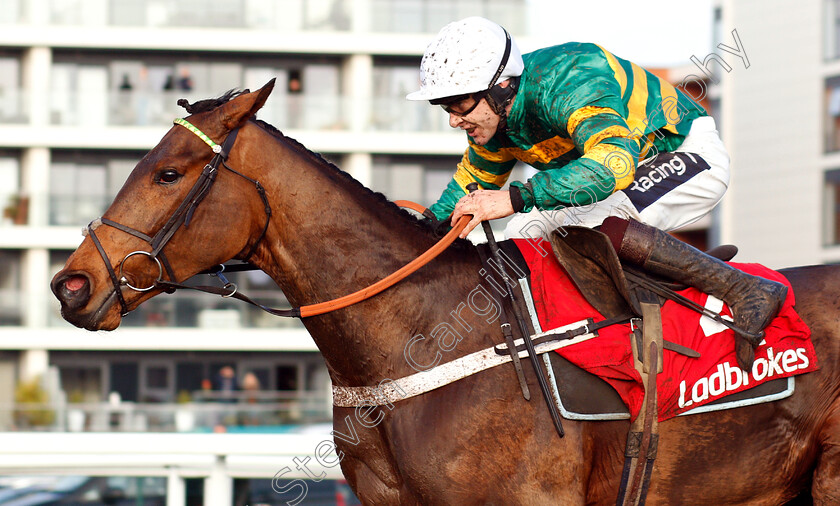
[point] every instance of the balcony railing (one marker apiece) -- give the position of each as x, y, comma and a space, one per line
403, 16
283, 111
12, 105
11, 308
236, 412
196, 310
179, 310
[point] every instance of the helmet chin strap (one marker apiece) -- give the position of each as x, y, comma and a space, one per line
500, 97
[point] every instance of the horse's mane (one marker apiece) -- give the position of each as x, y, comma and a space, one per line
380, 199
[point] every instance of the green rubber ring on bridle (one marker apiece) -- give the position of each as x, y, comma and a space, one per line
201, 135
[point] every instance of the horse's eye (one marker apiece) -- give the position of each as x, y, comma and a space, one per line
167, 176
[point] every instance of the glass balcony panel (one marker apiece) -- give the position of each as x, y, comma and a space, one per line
76, 210
400, 16
429, 16
831, 29
66, 489
11, 13
14, 205
260, 411
13, 104
396, 114
11, 307
133, 108
289, 15
11, 296
186, 309
831, 114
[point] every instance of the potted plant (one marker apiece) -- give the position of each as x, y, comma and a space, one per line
184, 413
17, 209
32, 400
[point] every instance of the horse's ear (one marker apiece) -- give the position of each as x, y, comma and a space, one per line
240, 109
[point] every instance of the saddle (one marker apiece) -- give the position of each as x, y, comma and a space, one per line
608, 285
613, 289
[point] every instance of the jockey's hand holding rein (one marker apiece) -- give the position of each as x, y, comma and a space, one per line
482, 205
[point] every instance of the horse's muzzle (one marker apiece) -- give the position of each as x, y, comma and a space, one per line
73, 291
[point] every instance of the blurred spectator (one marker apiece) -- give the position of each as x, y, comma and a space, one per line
124, 107
250, 396
295, 99
227, 387
185, 81
125, 85
226, 384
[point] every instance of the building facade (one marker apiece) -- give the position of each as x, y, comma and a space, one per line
780, 83
86, 88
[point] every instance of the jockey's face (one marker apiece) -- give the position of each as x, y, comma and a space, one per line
481, 123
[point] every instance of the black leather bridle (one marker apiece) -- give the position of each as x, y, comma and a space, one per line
182, 216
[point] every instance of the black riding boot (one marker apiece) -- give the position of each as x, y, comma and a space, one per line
754, 301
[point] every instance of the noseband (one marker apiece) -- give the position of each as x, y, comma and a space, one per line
182, 216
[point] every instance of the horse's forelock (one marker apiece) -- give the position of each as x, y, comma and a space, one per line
209, 104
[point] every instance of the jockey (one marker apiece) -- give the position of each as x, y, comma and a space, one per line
615, 147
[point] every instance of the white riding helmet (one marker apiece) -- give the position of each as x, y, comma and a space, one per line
465, 58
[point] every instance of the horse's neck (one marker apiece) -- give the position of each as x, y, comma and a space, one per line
328, 238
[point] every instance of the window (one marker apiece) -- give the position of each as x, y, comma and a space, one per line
429, 16
831, 36
11, 311
11, 104
82, 383
72, 489
421, 179
393, 79
11, 12
13, 204
287, 377
415, 178
831, 115
831, 207
83, 184
156, 383
96, 89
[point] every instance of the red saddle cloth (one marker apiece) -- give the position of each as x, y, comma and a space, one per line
686, 382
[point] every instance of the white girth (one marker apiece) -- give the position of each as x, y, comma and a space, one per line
389, 391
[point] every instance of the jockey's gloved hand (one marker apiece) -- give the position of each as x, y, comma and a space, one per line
440, 227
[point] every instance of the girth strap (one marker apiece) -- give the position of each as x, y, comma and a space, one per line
542, 380
643, 437
510, 347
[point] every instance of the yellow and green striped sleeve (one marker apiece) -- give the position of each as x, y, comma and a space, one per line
489, 166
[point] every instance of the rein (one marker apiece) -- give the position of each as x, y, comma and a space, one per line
183, 216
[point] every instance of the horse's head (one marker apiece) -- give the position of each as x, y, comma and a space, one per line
178, 200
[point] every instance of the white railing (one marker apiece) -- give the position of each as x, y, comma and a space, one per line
216, 458
241, 412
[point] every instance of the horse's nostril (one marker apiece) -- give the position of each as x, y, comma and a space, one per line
73, 291
75, 283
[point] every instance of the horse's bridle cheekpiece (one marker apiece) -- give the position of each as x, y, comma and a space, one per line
182, 216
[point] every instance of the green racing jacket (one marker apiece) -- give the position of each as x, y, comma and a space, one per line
583, 118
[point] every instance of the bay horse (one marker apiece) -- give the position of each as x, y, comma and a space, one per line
475, 441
